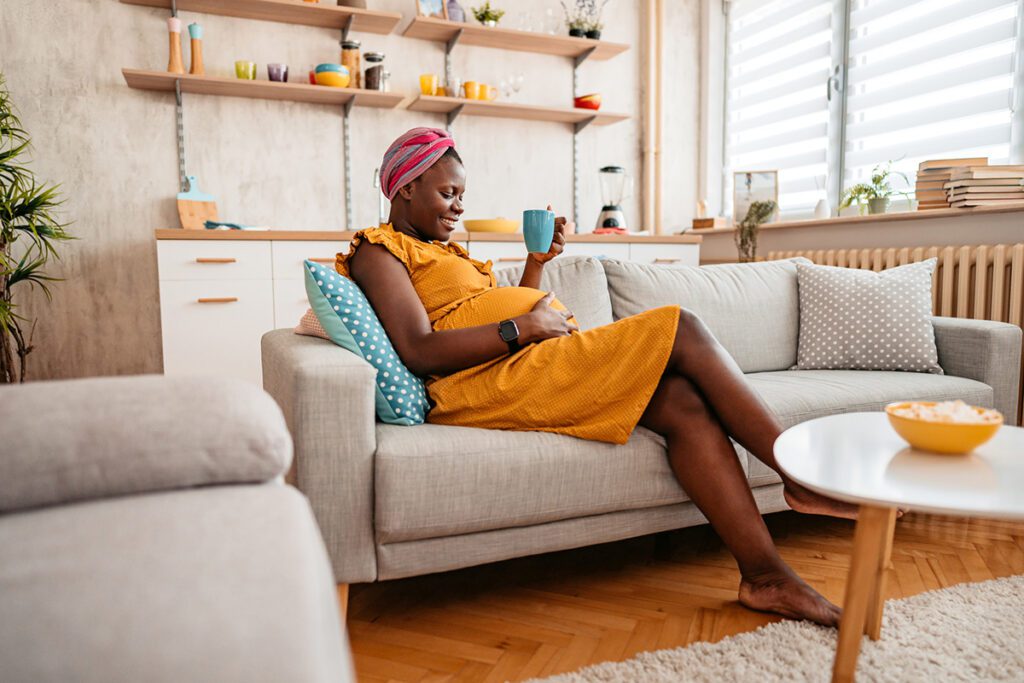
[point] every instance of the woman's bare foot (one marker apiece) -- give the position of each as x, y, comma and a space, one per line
783, 592
807, 501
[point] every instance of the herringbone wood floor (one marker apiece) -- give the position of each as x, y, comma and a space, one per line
553, 613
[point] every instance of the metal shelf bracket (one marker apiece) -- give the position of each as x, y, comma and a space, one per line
347, 27
454, 114
179, 123
579, 59
580, 125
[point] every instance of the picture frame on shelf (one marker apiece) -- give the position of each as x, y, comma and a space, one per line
432, 8
753, 186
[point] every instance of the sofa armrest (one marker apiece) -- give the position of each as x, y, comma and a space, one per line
985, 351
327, 395
73, 440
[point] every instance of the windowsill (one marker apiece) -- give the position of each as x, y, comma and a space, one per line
877, 218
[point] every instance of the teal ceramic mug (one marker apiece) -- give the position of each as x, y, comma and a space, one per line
538, 230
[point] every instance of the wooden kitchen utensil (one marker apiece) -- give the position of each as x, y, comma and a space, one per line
195, 207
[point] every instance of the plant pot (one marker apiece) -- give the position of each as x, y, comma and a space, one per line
491, 23
878, 205
593, 35
576, 32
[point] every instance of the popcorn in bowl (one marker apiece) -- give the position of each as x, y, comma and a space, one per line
952, 427
949, 412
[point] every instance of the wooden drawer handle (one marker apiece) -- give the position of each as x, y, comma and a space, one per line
218, 300
511, 259
215, 260
322, 260
666, 260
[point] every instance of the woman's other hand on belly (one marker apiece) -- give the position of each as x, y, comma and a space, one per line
546, 321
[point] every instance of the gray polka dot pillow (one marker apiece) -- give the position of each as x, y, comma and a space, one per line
854, 319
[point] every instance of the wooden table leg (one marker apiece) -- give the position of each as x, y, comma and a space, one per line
874, 529
873, 623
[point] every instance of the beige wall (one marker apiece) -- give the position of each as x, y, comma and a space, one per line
280, 163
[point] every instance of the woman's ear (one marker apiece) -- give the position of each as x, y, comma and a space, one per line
406, 191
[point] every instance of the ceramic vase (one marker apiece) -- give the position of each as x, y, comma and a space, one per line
455, 11
576, 32
593, 34
822, 210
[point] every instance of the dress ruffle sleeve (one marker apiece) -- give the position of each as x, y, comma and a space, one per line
388, 239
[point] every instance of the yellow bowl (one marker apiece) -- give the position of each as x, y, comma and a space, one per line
333, 79
491, 225
953, 438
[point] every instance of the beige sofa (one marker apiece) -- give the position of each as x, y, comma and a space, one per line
396, 501
146, 535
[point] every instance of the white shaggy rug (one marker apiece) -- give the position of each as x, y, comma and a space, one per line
970, 632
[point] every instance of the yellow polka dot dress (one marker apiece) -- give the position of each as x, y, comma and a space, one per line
593, 384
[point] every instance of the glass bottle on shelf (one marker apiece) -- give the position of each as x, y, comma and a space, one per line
350, 60
373, 78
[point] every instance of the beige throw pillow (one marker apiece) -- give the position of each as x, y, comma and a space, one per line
854, 319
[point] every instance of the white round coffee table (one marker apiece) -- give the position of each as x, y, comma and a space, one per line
858, 458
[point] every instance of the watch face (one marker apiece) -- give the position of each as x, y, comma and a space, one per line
508, 331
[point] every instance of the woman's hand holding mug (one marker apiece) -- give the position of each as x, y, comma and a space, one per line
557, 237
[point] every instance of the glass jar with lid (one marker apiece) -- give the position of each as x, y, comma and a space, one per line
374, 76
350, 60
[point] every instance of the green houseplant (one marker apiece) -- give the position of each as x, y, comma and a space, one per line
29, 234
875, 193
745, 235
584, 19
487, 15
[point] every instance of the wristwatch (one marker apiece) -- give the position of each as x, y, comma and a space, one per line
509, 333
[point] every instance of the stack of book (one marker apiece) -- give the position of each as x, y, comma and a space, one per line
974, 186
932, 176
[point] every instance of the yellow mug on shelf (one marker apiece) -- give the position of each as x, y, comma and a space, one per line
428, 84
488, 92
472, 89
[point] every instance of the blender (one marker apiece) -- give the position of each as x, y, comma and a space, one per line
615, 185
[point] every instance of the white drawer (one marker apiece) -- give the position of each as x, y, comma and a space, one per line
670, 255
215, 337
616, 250
213, 260
288, 255
503, 254
290, 302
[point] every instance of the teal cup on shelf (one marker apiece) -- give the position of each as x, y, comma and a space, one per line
538, 230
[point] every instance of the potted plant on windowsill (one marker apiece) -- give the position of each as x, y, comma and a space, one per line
584, 19
876, 193
487, 15
29, 233
746, 232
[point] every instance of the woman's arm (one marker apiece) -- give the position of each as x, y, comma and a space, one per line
535, 262
384, 280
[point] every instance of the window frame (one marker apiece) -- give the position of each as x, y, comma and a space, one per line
713, 93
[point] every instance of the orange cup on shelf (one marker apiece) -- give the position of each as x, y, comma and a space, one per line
428, 84
490, 94
472, 89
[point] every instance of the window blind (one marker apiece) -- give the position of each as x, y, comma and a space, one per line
928, 79
778, 61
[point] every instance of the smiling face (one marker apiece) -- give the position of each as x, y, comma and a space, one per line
432, 204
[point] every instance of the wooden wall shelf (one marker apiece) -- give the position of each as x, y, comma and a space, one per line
266, 90
508, 110
324, 14
442, 31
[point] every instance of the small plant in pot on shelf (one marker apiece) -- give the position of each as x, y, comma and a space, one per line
876, 193
584, 19
29, 234
487, 15
746, 232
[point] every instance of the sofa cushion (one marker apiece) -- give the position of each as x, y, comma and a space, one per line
577, 281
751, 308
853, 319
796, 396
436, 480
216, 584
89, 438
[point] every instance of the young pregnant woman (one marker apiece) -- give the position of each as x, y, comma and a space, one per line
513, 358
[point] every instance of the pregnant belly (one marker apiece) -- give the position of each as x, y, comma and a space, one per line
493, 306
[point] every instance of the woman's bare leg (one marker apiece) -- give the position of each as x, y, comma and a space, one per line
699, 357
706, 466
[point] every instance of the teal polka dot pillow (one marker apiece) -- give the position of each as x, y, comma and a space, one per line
350, 322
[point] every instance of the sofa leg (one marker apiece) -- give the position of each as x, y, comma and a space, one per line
343, 600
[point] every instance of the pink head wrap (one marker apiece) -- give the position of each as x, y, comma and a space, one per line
410, 156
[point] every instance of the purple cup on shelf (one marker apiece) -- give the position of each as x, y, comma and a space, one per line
277, 72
